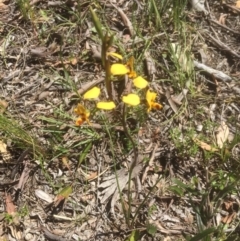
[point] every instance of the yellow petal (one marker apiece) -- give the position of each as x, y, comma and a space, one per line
132, 74
79, 121
140, 82
106, 105
150, 96
119, 69
131, 99
82, 111
156, 106
92, 93
119, 56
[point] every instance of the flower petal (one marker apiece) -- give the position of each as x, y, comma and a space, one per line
119, 69
92, 93
106, 105
82, 111
140, 82
79, 121
132, 74
131, 99
150, 96
119, 56
156, 106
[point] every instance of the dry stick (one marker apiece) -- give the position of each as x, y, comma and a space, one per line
225, 27
150, 163
216, 73
125, 19
232, 7
86, 87
50, 235
223, 46
100, 127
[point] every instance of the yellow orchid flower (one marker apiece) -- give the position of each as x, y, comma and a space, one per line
131, 99
92, 93
106, 105
122, 69
140, 82
150, 97
83, 114
119, 69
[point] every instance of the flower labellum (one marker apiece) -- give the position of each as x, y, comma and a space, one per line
119, 69
140, 82
92, 93
131, 99
106, 105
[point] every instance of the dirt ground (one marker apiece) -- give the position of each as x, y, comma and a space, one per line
62, 182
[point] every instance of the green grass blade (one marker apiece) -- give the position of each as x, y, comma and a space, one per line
97, 23
204, 234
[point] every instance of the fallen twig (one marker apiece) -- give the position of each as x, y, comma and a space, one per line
150, 163
216, 73
225, 27
86, 87
231, 7
51, 236
125, 19
223, 46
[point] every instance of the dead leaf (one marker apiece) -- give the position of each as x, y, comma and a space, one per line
3, 6
23, 178
228, 206
73, 61
39, 51
43, 195
238, 4
43, 95
10, 207
204, 145
151, 68
65, 162
3, 106
222, 134
222, 19
229, 218
3, 148
92, 176
87, 197
111, 186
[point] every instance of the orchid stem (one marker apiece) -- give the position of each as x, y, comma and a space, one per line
134, 162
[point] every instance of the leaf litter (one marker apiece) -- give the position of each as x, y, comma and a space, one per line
46, 69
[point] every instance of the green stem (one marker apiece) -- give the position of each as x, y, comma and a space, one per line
133, 164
